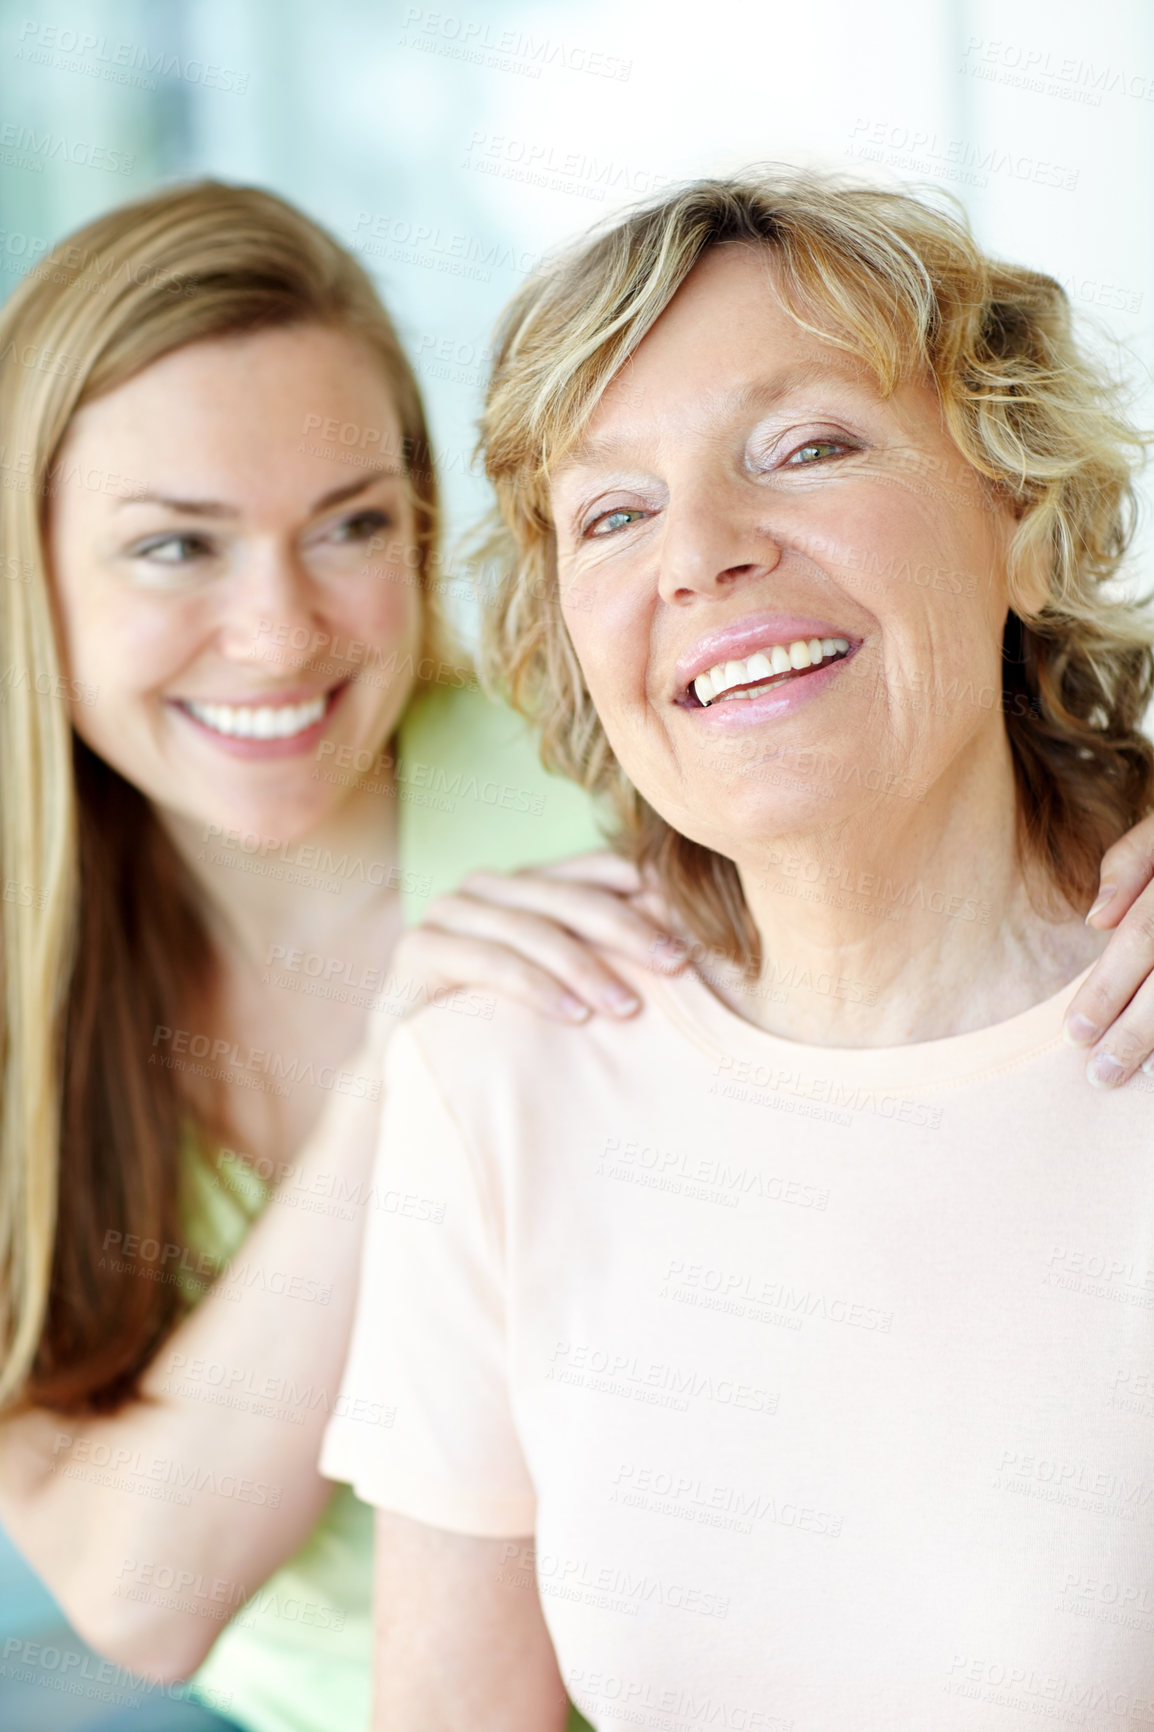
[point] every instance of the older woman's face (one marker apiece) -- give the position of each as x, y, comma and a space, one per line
746, 506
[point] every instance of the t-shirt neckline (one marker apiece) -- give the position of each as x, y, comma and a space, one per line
709, 1023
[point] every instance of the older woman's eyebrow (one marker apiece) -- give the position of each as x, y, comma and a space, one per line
219, 508
594, 450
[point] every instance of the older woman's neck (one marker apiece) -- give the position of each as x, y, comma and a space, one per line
906, 925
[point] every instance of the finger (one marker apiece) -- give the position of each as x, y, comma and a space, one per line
592, 914
622, 876
1128, 1044
439, 961
1127, 868
573, 964
611, 871
1116, 977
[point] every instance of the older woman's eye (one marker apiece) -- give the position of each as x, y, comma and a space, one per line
614, 520
813, 451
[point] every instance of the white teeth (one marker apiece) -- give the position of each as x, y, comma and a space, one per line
728, 679
268, 722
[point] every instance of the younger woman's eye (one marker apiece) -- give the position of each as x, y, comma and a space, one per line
614, 520
173, 549
361, 526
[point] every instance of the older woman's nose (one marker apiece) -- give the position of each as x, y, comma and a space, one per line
709, 543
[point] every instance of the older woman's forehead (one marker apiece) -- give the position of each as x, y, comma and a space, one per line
621, 419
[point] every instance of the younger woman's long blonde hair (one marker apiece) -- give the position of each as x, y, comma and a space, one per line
101, 932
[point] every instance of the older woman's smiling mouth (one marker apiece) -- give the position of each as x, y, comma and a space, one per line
766, 668
751, 660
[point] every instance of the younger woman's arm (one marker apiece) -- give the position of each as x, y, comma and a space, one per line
152, 1527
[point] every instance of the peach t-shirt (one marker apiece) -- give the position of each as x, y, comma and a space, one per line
825, 1377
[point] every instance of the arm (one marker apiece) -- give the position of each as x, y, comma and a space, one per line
1113, 1010
79, 1496
461, 1643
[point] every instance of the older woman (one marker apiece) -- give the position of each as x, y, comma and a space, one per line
807, 1321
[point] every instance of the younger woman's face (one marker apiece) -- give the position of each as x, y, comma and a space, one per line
236, 588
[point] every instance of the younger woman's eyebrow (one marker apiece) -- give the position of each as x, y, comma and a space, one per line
186, 507
218, 508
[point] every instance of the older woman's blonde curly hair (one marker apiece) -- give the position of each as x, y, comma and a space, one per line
904, 287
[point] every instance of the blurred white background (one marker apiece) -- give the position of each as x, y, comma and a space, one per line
451, 147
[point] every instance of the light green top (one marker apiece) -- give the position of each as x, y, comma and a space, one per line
472, 794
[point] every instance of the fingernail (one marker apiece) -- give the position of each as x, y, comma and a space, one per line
670, 953
1079, 1030
574, 1008
1107, 892
620, 1000
1104, 1071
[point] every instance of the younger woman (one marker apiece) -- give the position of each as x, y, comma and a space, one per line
217, 615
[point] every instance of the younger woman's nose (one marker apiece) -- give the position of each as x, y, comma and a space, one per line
270, 611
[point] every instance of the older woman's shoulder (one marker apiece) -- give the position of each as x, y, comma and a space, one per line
481, 1048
